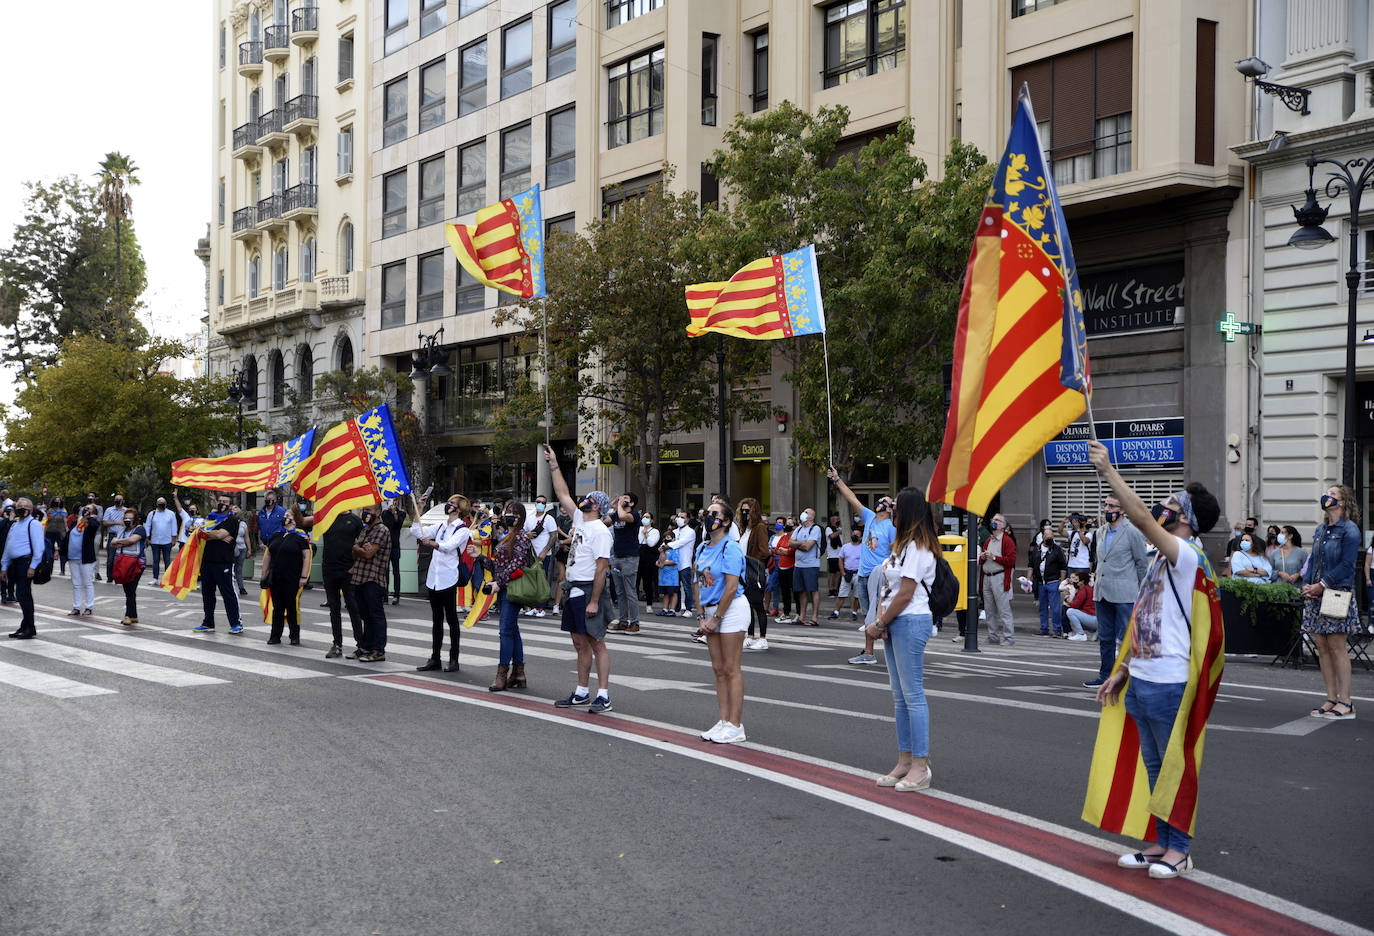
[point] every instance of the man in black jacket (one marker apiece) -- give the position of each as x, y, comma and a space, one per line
1049, 566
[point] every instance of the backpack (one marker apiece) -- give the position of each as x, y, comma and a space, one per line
943, 593
43, 574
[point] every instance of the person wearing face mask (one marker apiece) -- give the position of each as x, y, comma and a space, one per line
509, 558
878, 537
724, 619
1170, 669
1271, 539
683, 545
271, 518
336, 558
367, 575
1289, 557
1249, 527
54, 528
162, 532
113, 523
285, 568
83, 541
543, 532
648, 559
393, 517
625, 518
23, 552
807, 542
216, 572
584, 609
1048, 567
851, 554
130, 546
667, 578
1248, 560
1335, 547
190, 517
998, 562
834, 542
785, 555
753, 543
1122, 560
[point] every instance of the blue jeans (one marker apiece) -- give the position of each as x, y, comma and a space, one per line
861, 589
1112, 620
549, 569
218, 575
1079, 620
512, 647
1049, 609
162, 558
771, 586
689, 592
1153, 707
906, 665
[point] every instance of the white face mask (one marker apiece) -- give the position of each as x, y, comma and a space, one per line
1281, 539
647, 521
681, 521
1245, 545
806, 518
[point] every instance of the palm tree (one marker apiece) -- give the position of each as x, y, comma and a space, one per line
117, 173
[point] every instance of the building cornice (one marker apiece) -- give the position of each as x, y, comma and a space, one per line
1352, 134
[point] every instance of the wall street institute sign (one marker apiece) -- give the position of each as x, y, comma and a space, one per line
1140, 297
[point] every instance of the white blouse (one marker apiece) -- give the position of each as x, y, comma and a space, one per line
452, 537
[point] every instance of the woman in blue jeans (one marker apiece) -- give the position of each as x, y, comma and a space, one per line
904, 621
509, 558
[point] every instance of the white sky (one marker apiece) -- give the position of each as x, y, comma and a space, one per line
82, 78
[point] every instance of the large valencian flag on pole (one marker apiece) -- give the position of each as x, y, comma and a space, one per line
505, 248
254, 469
1020, 348
358, 463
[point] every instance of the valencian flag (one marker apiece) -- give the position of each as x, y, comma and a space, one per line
775, 297
183, 571
1119, 798
254, 469
505, 248
1020, 349
358, 463
470, 595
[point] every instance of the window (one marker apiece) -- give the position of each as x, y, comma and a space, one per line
431, 191
223, 126
281, 172
636, 99
310, 160
613, 197
279, 268
429, 289
472, 177
397, 16
305, 372
863, 37
281, 90
431, 95
345, 355
562, 38
515, 160
307, 274
710, 53
221, 201
276, 374
560, 167
394, 111
250, 380
622, 11
433, 16
1022, 7
309, 73
254, 106
345, 155
472, 79
345, 58
760, 95
220, 290
471, 296
394, 203
394, 294
710, 187
223, 45
516, 54
254, 275
566, 223
346, 246
1083, 100
469, 6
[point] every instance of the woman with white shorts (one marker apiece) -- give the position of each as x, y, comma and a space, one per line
724, 618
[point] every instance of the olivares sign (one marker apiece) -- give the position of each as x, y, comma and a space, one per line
1139, 297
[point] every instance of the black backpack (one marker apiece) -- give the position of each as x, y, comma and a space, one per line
43, 574
943, 593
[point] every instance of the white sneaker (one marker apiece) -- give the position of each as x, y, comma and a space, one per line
934, 631
463, 609
729, 734
749, 643
687, 614
710, 733
761, 643
699, 638
982, 615
864, 659
1078, 638
539, 612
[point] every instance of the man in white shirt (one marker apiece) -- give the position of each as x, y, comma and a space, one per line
162, 528
543, 531
112, 527
684, 552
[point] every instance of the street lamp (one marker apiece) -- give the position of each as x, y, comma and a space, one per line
238, 394
1351, 178
429, 360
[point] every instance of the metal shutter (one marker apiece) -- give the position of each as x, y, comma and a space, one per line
1079, 494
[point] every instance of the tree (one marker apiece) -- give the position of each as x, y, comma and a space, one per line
619, 353
891, 248
116, 176
88, 422
58, 277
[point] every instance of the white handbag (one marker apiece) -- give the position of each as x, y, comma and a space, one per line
1336, 603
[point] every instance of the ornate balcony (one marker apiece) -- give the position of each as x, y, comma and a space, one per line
246, 141
298, 202
276, 43
245, 223
270, 213
250, 59
270, 132
343, 289
301, 115
305, 24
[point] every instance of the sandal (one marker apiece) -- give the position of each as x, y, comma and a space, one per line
1347, 715
1138, 861
74, 612
86, 613
1163, 869
1325, 709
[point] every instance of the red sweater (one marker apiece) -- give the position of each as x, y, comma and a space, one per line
1083, 601
1007, 559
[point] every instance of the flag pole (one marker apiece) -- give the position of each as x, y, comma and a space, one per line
829, 416
544, 342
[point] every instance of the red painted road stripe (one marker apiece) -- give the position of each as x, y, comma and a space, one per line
1207, 906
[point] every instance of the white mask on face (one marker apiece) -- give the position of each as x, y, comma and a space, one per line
806, 518
646, 521
681, 521
1281, 539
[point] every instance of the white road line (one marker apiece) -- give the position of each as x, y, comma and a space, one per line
118, 665
209, 657
45, 683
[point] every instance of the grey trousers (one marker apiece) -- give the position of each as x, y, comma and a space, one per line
626, 569
1000, 627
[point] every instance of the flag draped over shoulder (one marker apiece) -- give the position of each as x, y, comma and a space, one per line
505, 248
358, 463
1020, 370
774, 297
1119, 798
254, 469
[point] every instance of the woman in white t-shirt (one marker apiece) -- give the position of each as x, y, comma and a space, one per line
904, 621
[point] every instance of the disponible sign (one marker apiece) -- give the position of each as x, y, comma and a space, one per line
1134, 443
1143, 297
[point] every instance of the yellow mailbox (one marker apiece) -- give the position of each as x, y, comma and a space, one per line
956, 554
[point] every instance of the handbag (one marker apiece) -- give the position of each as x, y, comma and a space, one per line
1335, 602
531, 589
127, 569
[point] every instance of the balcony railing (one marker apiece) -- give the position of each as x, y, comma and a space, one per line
269, 123
298, 197
245, 219
276, 40
246, 135
269, 209
305, 19
301, 107
250, 53
340, 289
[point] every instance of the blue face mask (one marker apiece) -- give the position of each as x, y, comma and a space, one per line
778, 526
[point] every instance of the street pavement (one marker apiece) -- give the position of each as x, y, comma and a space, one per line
162, 781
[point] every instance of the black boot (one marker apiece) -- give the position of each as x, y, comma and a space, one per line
431, 664
451, 666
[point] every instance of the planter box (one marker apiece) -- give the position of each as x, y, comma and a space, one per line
1270, 632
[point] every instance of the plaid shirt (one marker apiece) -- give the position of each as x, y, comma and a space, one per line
374, 569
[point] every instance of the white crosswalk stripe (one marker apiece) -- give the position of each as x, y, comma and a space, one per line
209, 657
121, 666
58, 687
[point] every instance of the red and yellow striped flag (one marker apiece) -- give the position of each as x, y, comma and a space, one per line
265, 602
505, 248
359, 463
184, 569
773, 297
1020, 370
254, 469
1119, 798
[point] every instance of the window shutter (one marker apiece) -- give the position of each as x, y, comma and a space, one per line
1113, 77
345, 58
1204, 113
1072, 123
1036, 76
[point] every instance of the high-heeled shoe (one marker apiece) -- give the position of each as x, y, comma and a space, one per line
907, 785
1163, 869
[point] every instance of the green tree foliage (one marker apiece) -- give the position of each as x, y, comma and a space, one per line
619, 353
60, 276
117, 175
891, 246
105, 410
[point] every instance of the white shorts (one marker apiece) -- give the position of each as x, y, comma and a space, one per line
736, 617
845, 587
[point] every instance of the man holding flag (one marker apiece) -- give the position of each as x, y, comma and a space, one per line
216, 565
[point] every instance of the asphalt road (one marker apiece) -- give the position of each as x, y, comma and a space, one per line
161, 781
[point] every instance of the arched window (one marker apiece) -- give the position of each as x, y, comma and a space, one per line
345, 362
279, 268
254, 105
279, 12
276, 373
307, 269
305, 372
250, 382
254, 276
346, 246
254, 26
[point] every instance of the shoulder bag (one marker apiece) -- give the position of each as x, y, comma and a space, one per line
530, 589
1335, 601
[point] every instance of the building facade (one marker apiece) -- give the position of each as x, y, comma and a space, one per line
288, 230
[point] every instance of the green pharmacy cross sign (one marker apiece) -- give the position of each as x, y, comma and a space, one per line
1230, 328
